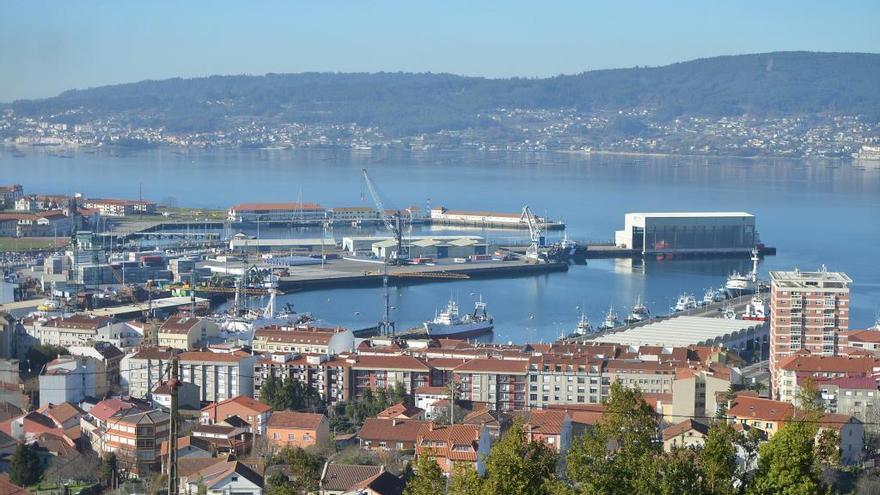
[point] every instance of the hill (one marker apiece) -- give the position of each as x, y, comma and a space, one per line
770, 84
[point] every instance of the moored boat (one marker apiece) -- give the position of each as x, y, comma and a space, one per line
449, 323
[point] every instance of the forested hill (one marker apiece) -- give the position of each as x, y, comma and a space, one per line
403, 103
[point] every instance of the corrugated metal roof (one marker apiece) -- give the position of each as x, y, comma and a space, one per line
681, 331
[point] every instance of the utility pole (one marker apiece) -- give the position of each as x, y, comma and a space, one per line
173, 384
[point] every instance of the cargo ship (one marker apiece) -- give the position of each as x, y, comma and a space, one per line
449, 323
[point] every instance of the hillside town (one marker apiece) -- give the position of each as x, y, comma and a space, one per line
630, 130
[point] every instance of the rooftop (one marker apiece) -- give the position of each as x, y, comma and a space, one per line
292, 419
810, 280
679, 332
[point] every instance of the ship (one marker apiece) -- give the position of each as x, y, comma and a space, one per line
640, 312
755, 310
685, 302
611, 320
583, 327
448, 323
739, 284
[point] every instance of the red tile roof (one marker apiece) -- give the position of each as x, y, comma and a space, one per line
827, 364
546, 422
684, 427
750, 407
500, 366
401, 411
396, 362
390, 430
459, 442
291, 419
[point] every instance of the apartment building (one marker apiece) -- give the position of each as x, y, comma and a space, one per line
371, 372
120, 207
82, 330
303, 340
695, 391
650, 377
131, 430
808, 311
555, 379
499, 384
72, 379
792, 370
219, 375
187, 333
143, 370
330, 376
108, 354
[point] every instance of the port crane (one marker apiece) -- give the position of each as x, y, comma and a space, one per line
392, 222
536, 233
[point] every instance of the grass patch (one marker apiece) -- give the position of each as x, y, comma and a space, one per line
22, 244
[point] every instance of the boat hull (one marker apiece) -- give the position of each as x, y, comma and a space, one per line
449, 331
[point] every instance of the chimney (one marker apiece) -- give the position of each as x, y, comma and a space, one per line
431, 426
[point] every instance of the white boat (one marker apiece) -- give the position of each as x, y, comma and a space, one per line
755, 310
583, 327
739, 284
708, 297
685, 302
449, 323
728, 312
611, 320
640, 312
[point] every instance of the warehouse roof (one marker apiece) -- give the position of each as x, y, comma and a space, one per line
693, 214
680, 332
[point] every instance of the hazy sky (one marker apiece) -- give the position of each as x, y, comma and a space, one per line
47, 47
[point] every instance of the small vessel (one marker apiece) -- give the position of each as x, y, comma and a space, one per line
755, 310
708, 297
640, 312
448, 323
728, 312
583, 327
739, 284
611, 320
867, 153
685, 302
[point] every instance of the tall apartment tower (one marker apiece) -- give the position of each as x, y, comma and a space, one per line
808, 310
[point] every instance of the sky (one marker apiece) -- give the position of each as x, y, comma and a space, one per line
49, 47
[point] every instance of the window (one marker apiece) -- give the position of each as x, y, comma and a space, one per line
291, 436
276, 436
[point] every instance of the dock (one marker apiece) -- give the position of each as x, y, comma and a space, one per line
348, 273
128, 310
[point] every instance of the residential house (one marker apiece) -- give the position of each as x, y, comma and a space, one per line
136, 437
297, 429
383, 483
401, 411
256, 413
187, 396
232, 435
187, 332
221, 478
794, 368
763, 414
688, 433
427, 396
852, 436
549, 426
337, 479
390, 434
496, 422
454, 444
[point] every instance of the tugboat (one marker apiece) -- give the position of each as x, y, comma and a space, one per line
640, 312
583, 327
755, 310
611, 320
448, 323
685, 302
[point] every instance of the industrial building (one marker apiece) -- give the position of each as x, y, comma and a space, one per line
243, 244
688, 233
277, 212
419, 246
443, 216
684, 331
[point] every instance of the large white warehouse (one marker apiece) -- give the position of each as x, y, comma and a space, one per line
688, 232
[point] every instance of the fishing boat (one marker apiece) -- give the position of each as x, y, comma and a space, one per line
739, 284
755, 310
449, 323
583, 327
611, 320
640, 312
708, 297
685, 302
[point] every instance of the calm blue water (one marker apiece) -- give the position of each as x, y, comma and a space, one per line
813, 212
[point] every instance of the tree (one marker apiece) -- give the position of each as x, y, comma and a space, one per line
718, 459
613, 458
515, 465
786, 465
427, 479
108, 469
675, 473
400, 395
269, 391
465, 480
24, 468
305, 469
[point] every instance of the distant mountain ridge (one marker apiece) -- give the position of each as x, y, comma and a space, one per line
768, 84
